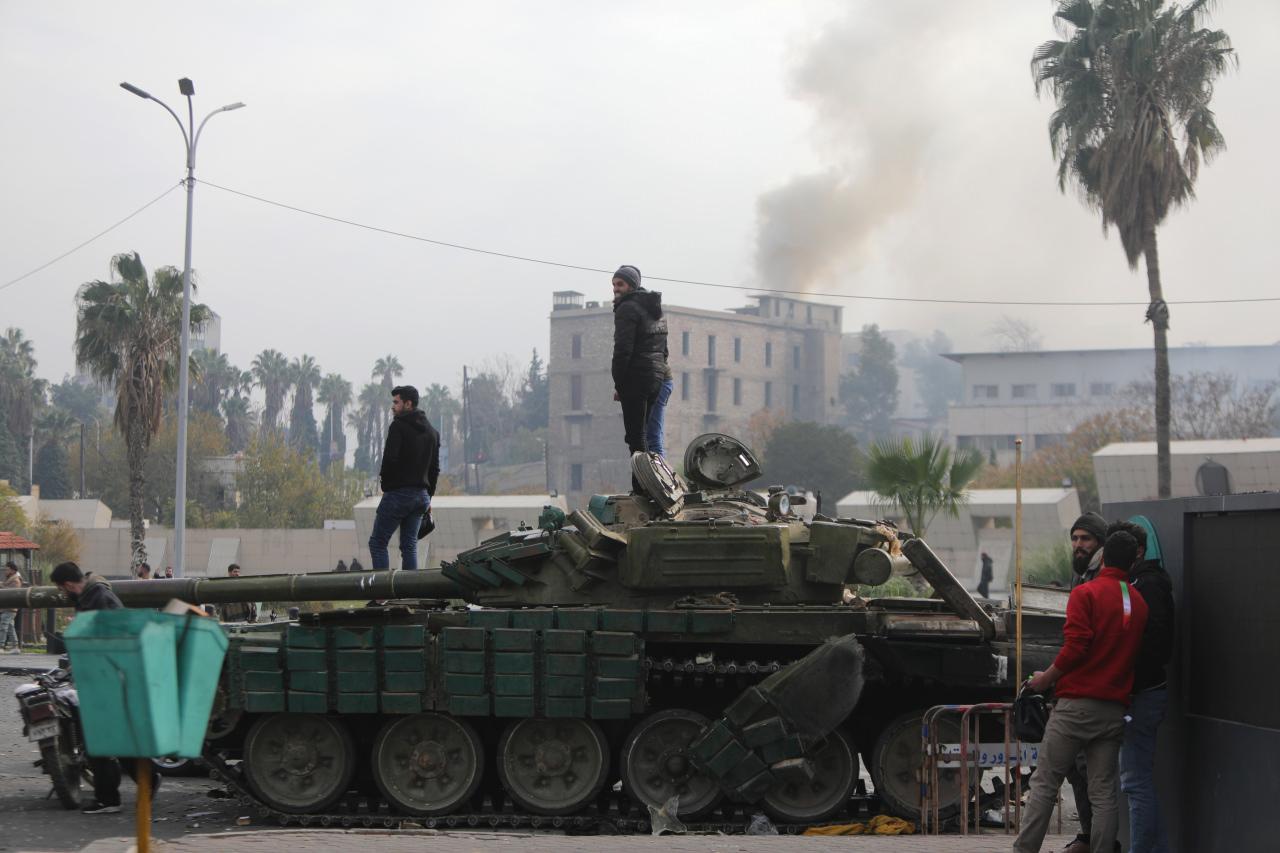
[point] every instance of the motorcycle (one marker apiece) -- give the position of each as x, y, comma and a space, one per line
51, 718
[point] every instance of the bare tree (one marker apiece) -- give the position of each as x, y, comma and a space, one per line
1013, 334
1211, 405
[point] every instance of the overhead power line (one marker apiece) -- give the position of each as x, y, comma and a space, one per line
752, 288
101, 233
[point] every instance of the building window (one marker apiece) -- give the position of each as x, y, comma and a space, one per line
1062, 389
1023, 392
711, 350
575, 477
795, 358
768, 394
684, 386
795, 399
1101, 389
1049, 440
986, 392
777, 307
711, 391
737, 350
684, 343
791, 310
575, 392
737, 392
768, 353
575, 434
577, 347
808, 314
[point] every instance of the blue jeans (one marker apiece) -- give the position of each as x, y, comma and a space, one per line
403, 509
653, 427
1137, 772
6, 628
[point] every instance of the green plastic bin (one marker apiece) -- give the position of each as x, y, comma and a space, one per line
146, 680
201, 648
127, 677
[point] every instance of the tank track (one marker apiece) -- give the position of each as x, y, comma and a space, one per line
613, 812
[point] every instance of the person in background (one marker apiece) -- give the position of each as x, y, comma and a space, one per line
168, 571
1150, 698
144, 572
87, 592
8, 630
639, 365
988, 574
238, 611
356, 566
1092, 679
341, 567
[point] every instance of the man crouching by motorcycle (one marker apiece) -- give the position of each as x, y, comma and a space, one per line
87, 591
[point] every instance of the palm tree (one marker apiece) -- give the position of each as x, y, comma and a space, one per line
335, 395
271, 370
388, 369
127, 334
921, 477
1132, 81
442, 409
214, 380
302, 419
21, 394
374, 401
239, 422
54, 428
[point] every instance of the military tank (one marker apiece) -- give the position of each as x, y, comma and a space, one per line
693, 652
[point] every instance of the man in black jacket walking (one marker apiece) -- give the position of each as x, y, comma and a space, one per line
639, 354
410, 468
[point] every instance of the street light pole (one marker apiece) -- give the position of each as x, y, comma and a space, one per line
190, 139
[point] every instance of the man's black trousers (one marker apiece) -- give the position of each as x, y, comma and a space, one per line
635, 414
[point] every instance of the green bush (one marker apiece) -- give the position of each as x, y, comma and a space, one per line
1048, 564
895, 587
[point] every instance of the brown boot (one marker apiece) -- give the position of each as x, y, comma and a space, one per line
1077, 845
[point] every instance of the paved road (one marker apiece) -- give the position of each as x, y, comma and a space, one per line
315, 841
28, 821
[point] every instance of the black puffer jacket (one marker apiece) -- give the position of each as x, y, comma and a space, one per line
1152, 581
639, 343
412, 455
96, 595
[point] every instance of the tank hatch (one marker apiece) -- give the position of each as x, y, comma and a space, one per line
718, 461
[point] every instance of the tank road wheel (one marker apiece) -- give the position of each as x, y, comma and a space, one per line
835, 772
428, 764
298, 763
895, 767
553, 767
655, 767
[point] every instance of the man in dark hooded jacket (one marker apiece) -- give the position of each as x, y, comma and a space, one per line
87, 591
410, 468
639, 354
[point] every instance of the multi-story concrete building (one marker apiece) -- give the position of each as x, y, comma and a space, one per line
1041, 396
781, 354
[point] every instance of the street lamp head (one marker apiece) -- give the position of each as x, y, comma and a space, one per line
129, 87
229, 107
186, 87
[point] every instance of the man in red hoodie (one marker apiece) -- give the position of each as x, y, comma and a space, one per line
1092, 678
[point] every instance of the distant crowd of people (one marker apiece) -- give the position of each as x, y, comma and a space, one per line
1109, 683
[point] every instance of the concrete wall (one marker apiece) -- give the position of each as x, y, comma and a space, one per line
1216, 769
257, 551
1127, 471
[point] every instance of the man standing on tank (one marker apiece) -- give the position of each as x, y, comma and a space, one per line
639, 355
410, 468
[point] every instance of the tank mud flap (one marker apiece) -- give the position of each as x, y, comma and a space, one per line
768, 735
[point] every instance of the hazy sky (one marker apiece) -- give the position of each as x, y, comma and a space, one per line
858, 148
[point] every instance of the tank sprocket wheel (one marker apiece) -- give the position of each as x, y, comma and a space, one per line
298, 763
804, 800
428, 764
896, 759
656, 766
553, 767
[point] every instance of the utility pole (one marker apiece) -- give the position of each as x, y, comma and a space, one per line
466, 435
81, 461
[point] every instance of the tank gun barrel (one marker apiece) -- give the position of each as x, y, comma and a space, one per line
312, 587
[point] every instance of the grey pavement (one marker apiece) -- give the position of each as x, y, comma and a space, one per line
414, 841
26, 663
